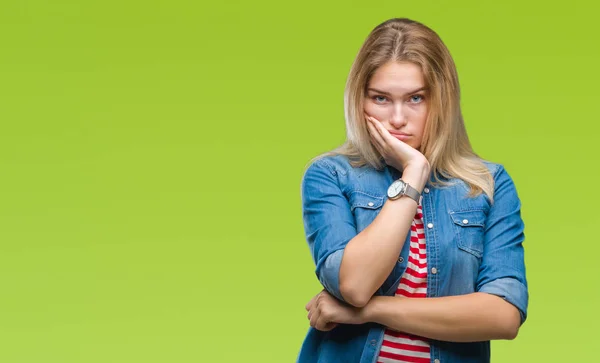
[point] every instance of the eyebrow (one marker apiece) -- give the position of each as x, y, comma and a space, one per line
389, 94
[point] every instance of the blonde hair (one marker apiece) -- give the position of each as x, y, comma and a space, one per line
445, 142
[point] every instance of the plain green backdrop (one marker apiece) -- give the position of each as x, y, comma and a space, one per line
151, 155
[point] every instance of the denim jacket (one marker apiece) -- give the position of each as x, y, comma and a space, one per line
472, 246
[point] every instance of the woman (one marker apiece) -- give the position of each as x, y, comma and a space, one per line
416, 240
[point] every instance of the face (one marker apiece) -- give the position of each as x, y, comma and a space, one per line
396, 96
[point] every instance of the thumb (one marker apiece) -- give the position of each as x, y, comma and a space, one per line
309, 305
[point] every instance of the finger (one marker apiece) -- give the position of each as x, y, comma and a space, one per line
330, 326
309, 305
314, 317
382, 135
312, 309
376, 136
323, 322
378, 147
386, 137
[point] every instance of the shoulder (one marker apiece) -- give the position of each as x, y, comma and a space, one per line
322, 171
491, 177
504, 189
493, 171
336, 171
336, 164
493, 167
499, 173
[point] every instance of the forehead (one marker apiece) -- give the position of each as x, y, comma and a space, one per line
397, 77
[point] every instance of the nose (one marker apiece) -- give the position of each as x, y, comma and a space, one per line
398, 118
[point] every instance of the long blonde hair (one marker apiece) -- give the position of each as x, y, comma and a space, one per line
445, 142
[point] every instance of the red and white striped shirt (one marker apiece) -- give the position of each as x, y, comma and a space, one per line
398, 346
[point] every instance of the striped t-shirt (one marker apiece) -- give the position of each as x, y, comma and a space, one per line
398, 346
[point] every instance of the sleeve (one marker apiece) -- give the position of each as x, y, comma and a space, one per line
328, 223
502, 271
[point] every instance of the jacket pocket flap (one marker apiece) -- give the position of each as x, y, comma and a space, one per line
364, 200
468, 218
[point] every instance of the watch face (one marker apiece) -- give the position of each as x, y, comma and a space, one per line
397, 188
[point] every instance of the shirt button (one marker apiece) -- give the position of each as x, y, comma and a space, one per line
465, 221
436, 361
433, 270
401, 259
370, 204
426, 190
373, 342
429, 225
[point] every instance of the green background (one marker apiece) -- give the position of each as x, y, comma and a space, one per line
151, 155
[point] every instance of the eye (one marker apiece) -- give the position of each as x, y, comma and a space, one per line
416, 98
379, 99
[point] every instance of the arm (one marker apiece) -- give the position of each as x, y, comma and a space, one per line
497, 309
465, 318
352, 266
370, 257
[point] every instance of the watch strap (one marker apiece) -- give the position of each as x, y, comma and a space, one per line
412, 193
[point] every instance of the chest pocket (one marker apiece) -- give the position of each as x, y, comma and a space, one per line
365, 207
469, 226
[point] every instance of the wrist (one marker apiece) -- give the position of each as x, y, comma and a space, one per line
377, 309
370, 313
416, 176
363, 314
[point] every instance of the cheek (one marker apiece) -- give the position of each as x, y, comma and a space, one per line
374, 110
369, 107
418, 120
421, 119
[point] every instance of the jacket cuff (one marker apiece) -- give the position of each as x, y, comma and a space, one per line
510, 290
329, 274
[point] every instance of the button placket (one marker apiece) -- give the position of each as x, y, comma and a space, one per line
431, 248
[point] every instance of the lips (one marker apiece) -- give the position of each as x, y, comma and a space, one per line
400, 135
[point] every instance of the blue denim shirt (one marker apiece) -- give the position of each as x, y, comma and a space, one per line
472, 246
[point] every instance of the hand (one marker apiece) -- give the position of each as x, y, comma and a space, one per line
398, 154
325, 312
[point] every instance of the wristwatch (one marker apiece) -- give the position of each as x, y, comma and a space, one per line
399, 188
